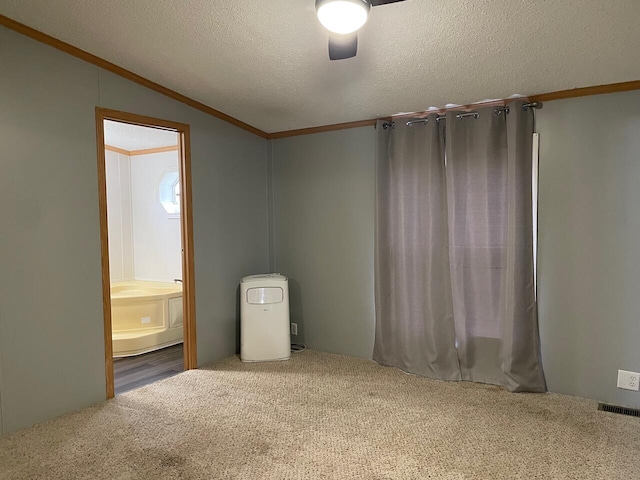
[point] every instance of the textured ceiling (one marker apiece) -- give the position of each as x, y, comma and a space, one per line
266, 63
134, 137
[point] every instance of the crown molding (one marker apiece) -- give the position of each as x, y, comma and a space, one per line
111, 67
134, 77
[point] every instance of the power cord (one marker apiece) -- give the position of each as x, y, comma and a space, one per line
297, 348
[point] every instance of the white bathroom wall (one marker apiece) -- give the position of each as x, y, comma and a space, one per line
118, 173
156, 237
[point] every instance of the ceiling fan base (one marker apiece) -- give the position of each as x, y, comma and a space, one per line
343, 47
377, 3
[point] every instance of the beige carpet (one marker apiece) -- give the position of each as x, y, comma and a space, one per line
322, 416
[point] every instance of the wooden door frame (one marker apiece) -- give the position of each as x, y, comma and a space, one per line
186, 221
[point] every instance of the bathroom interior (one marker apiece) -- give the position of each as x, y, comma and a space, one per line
145, 253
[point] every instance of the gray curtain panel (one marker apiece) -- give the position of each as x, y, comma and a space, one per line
455, 294
489, 169
414, 310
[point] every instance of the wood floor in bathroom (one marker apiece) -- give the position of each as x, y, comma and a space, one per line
134, 372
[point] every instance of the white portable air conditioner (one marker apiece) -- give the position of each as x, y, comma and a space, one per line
264, 318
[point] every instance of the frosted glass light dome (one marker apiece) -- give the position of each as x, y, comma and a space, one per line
343, 16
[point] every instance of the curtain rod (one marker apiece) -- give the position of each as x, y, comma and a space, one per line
497, 112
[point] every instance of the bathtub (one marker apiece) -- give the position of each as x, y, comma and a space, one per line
145, 316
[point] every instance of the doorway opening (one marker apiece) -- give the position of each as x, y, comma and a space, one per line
146, 230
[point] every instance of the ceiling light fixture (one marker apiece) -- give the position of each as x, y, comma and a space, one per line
343, 16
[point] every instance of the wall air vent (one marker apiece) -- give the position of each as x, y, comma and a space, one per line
633, 412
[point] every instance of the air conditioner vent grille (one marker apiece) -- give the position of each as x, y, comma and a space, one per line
633, 412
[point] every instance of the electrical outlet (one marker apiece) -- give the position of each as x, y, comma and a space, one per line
294, 329
145, 320
629, 380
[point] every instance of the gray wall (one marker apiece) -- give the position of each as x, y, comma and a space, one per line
51, 338
323, 189
230, 218
589, 238
589, 232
